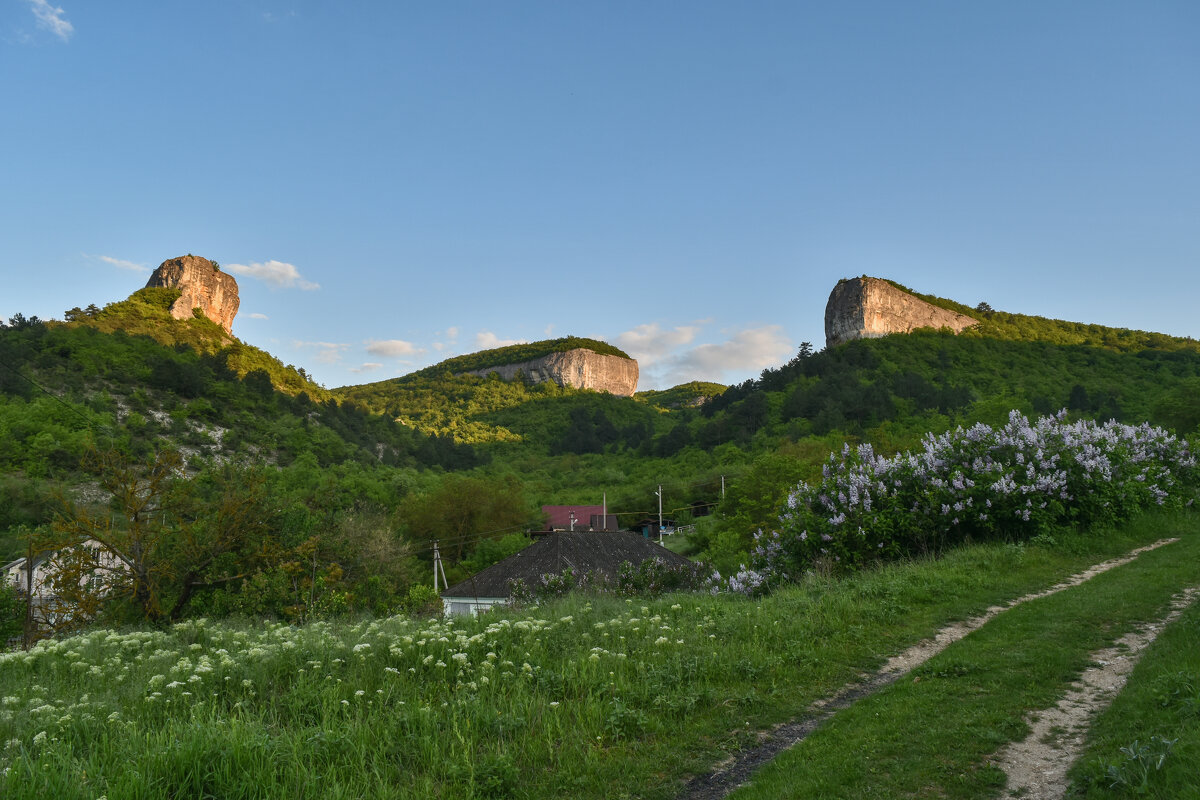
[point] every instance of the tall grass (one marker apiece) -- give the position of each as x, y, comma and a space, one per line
584, 697
1147, 743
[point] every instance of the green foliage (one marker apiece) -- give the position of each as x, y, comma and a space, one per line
1013, 482
147, 313
12, 613
685, 395
491, 551
1138, 764
585, 697
170, 539
461, 510
517, 353
131, 392
129, 376
1145, 743
939, 736
443, 401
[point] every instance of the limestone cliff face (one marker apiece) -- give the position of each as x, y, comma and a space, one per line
866, 308
580, 368
203, 286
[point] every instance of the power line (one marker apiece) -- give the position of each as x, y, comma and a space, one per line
466, 538
51, 394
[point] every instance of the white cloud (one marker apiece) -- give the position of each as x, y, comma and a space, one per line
256, 315
451, 336
51, 19
277, 273
391, 348
648, 343
367, 367
486, 340
747, 351
121, 263
327, 352
667, 358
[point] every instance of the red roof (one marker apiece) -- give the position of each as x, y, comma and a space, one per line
560, 516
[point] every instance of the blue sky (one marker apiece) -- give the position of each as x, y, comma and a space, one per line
394, 183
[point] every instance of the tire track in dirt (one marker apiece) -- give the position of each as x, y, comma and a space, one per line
1037, 767
737, 770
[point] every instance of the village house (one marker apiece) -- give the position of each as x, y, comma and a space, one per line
35, 578
552, 553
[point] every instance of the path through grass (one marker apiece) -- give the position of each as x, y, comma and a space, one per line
721, 782
935, 735
1147, 743
583, 698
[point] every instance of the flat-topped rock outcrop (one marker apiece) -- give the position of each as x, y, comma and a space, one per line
203, 286
580, 368
867, 308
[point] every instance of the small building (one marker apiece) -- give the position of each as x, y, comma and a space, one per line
39, 586
552, 554
579, 518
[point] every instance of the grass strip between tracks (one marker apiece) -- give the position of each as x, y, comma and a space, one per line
933, 734
1147, 743
361, 709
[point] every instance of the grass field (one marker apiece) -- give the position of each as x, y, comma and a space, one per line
597, 697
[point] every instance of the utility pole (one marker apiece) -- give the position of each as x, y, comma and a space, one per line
571, 526
437, 567
27, 639
722, 487
437, 563
659, 493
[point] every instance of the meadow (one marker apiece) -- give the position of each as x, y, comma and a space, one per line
593, 695
584, 696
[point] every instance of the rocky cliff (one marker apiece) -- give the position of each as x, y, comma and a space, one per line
866, 308
580, 368
203, 285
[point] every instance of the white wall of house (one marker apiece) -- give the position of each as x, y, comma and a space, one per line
45, 569
461, 606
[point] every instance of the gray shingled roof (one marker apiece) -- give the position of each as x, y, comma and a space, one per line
555, 552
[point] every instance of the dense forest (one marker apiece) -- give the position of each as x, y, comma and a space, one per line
349, 487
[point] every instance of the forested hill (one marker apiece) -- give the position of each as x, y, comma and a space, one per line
66, 389
146, 313
892, 389
517, 353
1028, 328
131, 379
445, 400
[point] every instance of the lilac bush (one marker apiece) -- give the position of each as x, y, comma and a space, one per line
1011, 482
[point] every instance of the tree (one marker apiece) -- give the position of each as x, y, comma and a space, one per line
160, 541
463, 510
12, 612
1180, 407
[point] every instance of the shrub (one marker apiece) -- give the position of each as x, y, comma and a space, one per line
1012, 482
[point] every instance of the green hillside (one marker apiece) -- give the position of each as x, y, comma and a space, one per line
441, 400
693, 393
1026, 328
472, 459
147, 313
517, 353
